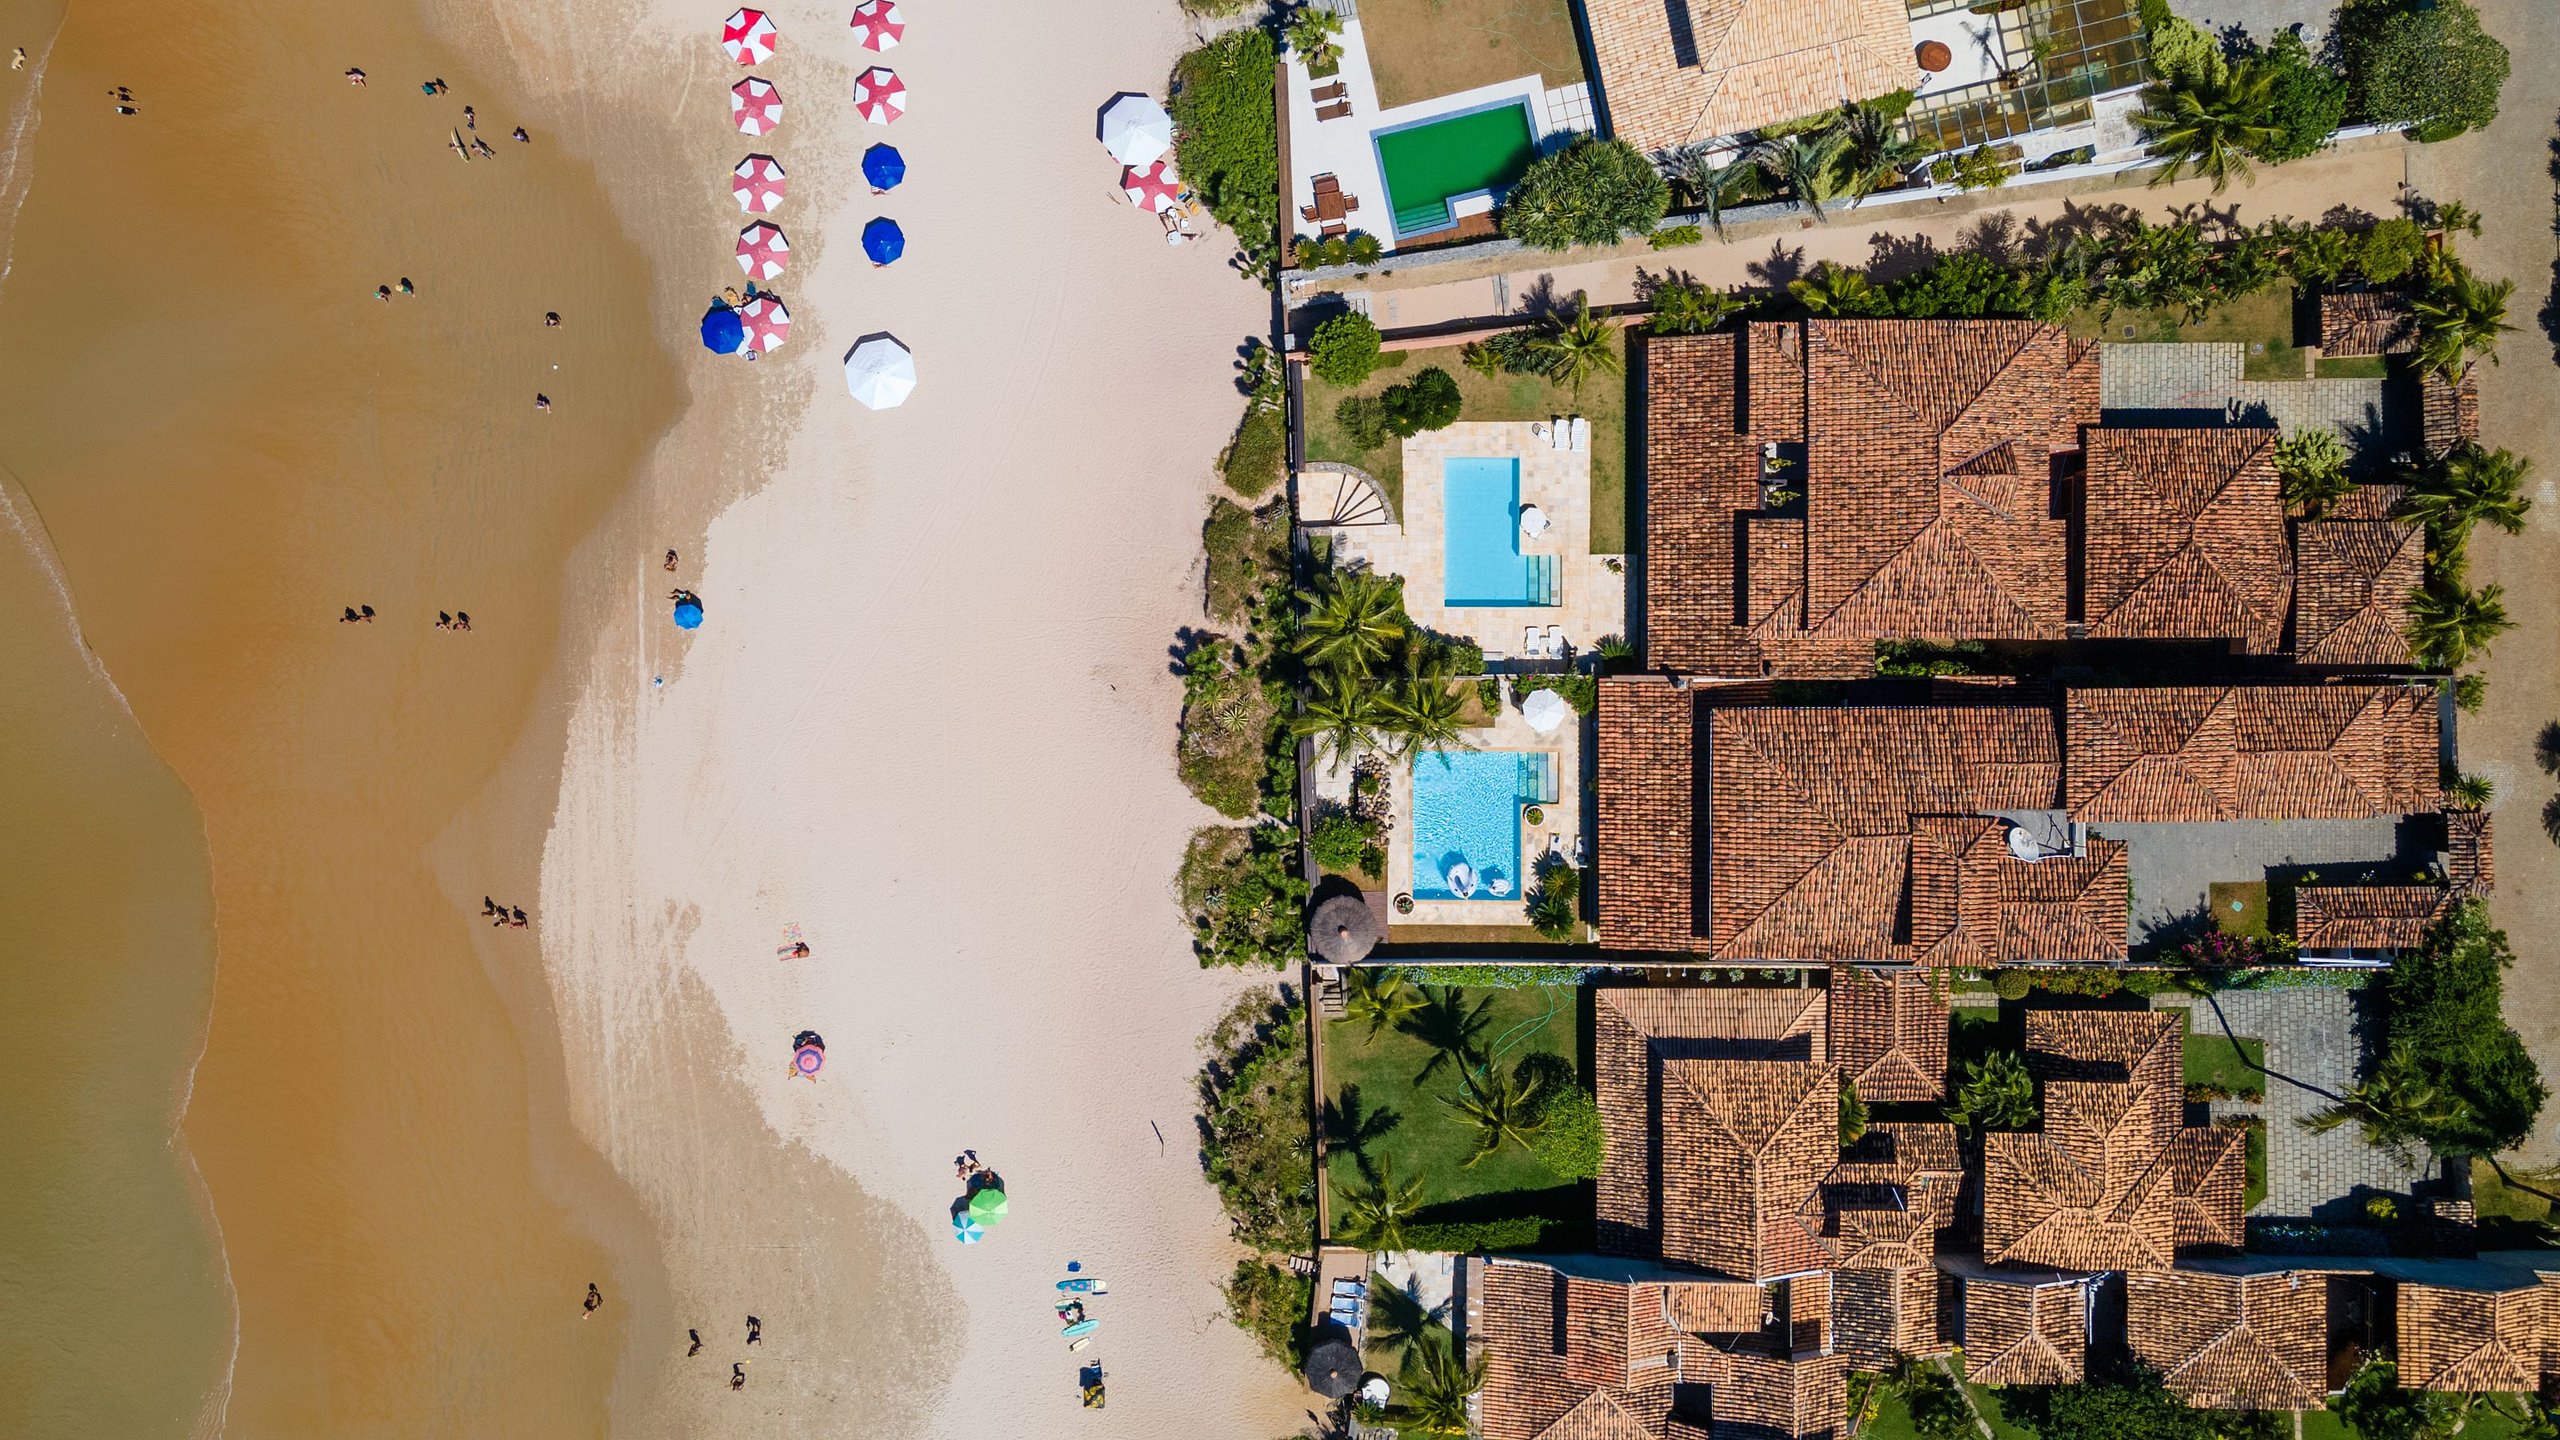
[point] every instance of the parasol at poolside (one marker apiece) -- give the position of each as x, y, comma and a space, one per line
884, 167
1333, 1366
987, 1206
878, 25
755, 106
1153, 187
882, 240
768, 324
1342, 930
1546, 711
880, 372
759, 184
967, 1230
1136, 130
722, 331
748, 36
879, 96
763, 250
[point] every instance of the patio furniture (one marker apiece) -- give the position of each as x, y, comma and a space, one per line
1555, 642
1331, 203
1334, 91
1336, 228
1334, 111
1531, 645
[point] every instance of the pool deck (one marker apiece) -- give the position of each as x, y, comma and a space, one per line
1591, 600
1563, 820
1341, 147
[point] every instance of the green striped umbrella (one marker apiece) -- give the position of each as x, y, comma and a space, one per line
987, 1206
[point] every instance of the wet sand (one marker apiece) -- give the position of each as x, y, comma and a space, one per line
229, 439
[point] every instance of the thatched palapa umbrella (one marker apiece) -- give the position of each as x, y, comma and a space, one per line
1342, 931
1333, 1366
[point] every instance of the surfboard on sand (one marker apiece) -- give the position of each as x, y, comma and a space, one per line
1084, 1287
1081, 1327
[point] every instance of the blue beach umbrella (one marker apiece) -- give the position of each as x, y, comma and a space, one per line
722, 331
688, 615
884, 167
967, 1230
883, 241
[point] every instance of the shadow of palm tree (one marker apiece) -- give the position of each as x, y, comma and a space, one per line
1449, 1025
1351, 1126
1397, 1321
2546, 748
2551, 819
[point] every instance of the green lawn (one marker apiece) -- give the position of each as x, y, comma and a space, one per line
2263, 322
1421, 1138
2352, 367
2211, 1060
1987, 1400
1892, 1422
1490, 397
2240, 907
2484, 1424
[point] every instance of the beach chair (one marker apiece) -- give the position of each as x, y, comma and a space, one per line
1334, 111
1555, 642
1531, 646
1307, 213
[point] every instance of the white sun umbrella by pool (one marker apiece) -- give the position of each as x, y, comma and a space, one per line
1136, 130
760, 184
1533, 521
1546, 711
880, 372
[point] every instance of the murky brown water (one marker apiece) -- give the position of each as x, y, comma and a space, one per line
229, 439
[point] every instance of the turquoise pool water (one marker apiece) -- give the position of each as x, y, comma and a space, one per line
1466, 806
1480, 535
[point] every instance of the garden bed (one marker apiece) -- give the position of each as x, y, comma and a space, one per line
2262, 322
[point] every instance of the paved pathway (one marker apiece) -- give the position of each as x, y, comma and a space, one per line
2155, 379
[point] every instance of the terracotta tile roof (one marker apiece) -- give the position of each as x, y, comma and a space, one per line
1773, 577
1764, 1398
2067, 908
1569, 1358
1744, 1142
1717, 1307
2275, 752
2369, 501
2185, 537
2448, 410
2025, 1333
2365, 917
2111, 1181
1929, 476
1773, 380
1889, 1035
1654, 1124
1647, 736
2474, 1340
1878, 1315
1706, 68
2233, 1342
1882, 1207
2367, 322
2471, 864
2351, 595
1701, 473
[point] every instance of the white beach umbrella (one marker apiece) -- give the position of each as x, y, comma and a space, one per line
880, 372
1136, 130
1546, 711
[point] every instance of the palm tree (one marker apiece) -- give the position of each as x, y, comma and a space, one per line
1376, 1213
1437, 1382
1808, 165
1450, 1026
1579, 346
1384, 998
2208, 124
2470, 483
1875, 149
1311, 34
2460, 318
1686, 307
1352, 619
2448, 623
2396, 1106
1343, 713
1835, 290
1426, 712
1500, 1105
1711, 177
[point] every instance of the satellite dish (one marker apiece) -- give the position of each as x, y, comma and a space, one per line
2024, 846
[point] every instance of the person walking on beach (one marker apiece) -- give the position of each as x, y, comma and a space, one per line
696, 1337
521, 137
550, 319
671, 562
595, 1297
470, 118
755, 1331
542, 402
738, 1376
19, 60
406, 288
488, 906
519, 921
354, 76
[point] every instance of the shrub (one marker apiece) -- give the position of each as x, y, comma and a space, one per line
1253, 914
1337, 841
1675, 237
1556, 908
1589, 193
1428, 401
1363, 418
2443, 1014
1344, 349
1248, 559
1981, 168
1965, 285
1512, 352
2470, 692
1938, 1409
1254, 1142
1582, 692
1229, 723
2184, 54
2312, 466
1685, 307
1517, 1232
1270, 1304
1257, 456
1853, 1116
2390, 250
2305, 101
1997, 1094
2012, 985
2430, 67
1569, 1138
1227, 136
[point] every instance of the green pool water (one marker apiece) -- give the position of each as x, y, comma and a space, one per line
1426, 165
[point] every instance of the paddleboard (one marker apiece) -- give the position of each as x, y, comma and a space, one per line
1081, 1327
1084, 1287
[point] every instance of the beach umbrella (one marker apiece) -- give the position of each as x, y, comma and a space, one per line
880, 372
763, 250
879, 96
1153, 188
767, 323
808, 1060
1546, 711
1333, 1366
748, 36
722, 331
882, 240
987, 1206
688, 616
884, 167
760, 184
967, 1230
878, 25
755, 105
1342, 931
1136, 130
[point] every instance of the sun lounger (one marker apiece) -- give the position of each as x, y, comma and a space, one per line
1555, 642
1581, 433
1334, 111
1531, 645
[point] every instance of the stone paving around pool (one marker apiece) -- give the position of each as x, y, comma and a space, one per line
1591, 598
1561, 828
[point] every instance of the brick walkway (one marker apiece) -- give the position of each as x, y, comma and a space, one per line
2310, 1035
2209, 377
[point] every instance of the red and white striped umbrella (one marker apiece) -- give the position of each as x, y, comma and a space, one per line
879, 95
755, 105
1152, 187
760, 184
878, 25
748, 36
767, 323
763, 250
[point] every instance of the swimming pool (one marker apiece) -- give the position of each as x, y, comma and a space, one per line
1480, 538
1431, 162
1466, 806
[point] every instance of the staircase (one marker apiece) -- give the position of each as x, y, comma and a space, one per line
1538, 784
1542, 579
1335, 494
1329, 997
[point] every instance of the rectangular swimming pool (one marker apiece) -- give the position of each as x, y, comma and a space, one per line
1432, 162
1466, 810
1480, 538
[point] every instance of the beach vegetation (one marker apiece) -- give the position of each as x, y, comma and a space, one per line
1344, 349
1271, 1304
1226, 138
1257, 456
1347, 841
1243, 897
1230, 722
1591, 192
1673, 237
1247, 570
1255, 1145
2423, 64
